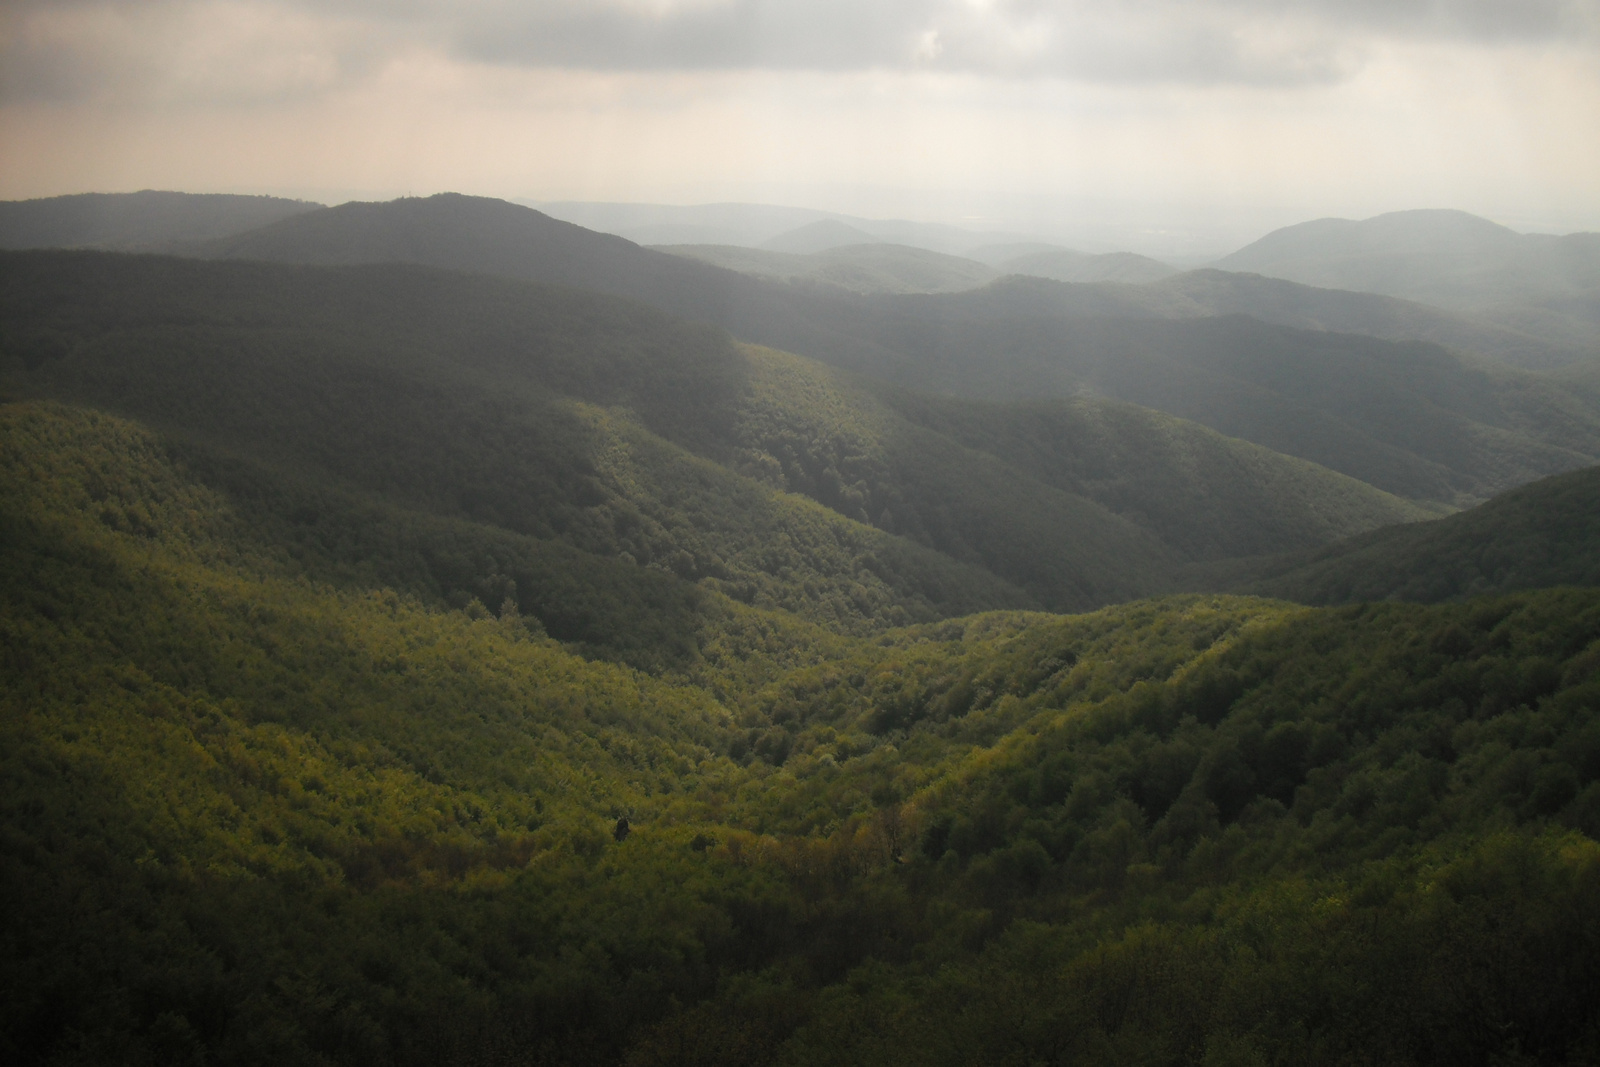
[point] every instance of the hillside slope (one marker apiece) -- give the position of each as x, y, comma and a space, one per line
543, 413
1540, 535
250, 818
625, 433
1409, 418
1286, 303
1212, 497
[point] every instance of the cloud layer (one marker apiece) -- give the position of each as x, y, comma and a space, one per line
1150, 117
65, 49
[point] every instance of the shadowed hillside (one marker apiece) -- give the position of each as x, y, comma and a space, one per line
146, 220
623, 433
1410, 419
1539, 535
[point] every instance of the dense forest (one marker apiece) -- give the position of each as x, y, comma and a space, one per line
402, 666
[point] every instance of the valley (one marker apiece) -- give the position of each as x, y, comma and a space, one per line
437, 633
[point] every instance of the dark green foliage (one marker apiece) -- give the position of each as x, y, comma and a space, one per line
1540, 535
1211, 497
608, 428
475, 399
322, 712
1408, 418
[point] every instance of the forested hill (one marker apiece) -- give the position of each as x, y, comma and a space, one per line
1411, 419
1444, 257
146, 220
493, 236
405, 666
253, 816
1540, 535
627, 434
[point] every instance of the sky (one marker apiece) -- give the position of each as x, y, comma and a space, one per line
1179, 126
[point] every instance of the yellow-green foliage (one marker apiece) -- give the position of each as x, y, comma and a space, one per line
254, 811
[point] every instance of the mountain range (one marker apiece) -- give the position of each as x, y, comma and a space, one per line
1543, 285
436, 633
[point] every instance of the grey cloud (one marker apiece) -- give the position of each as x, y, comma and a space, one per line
1250, 42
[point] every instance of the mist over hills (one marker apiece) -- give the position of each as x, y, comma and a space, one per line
751, 225
1068, 266
877, 267
883, 267
1544, 285
522, 252
1411, 419
819, 236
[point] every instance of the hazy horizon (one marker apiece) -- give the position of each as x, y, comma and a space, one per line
1167, 128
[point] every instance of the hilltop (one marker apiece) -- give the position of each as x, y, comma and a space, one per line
1534, 283
144, 220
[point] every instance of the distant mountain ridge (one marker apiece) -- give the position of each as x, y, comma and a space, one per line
1469, 432
877, 267
1067, 266
751, 225
143, 220
1545, 285
819, 236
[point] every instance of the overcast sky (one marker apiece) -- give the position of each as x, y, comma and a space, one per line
1168, 122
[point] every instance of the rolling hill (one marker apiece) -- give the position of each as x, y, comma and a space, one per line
410, 666
749, 225
616, 431
879, 267
1064, 265
252, 817
1534, 537
1539, 284
1410, 419
145, 220
819, 236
